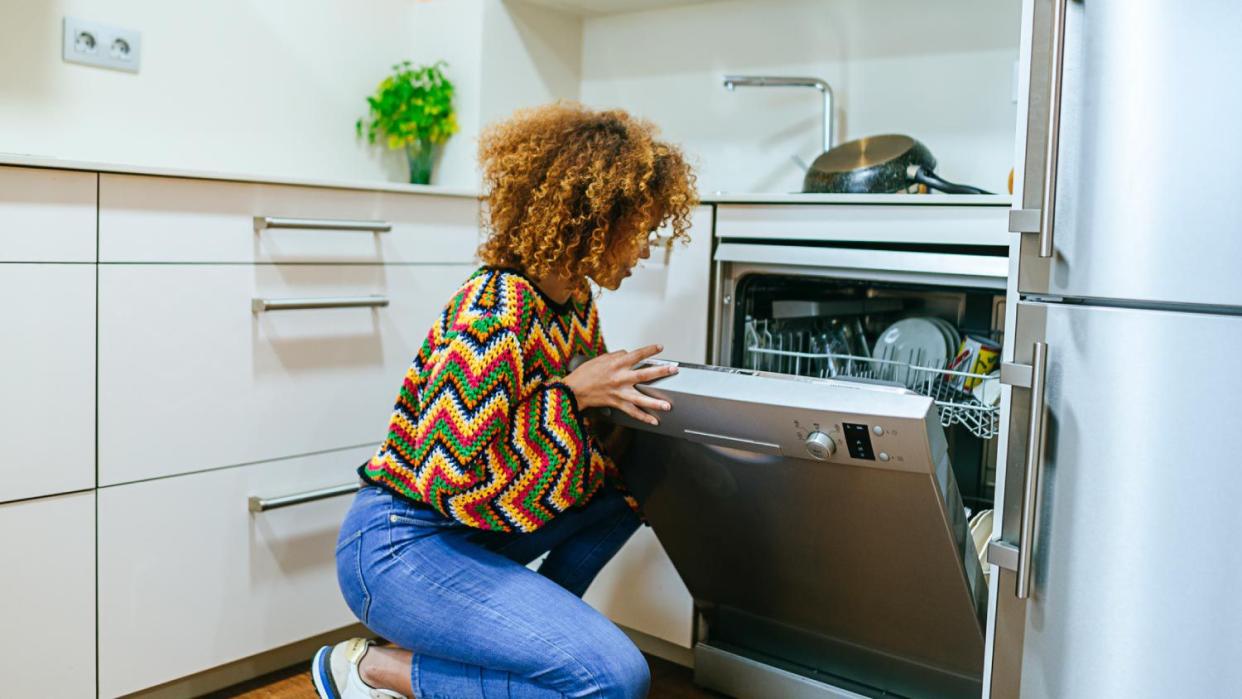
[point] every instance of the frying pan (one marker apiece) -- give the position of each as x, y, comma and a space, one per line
878, 164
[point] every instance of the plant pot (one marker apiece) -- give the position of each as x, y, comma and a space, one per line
420, 156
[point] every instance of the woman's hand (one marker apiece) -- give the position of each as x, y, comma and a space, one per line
607, 381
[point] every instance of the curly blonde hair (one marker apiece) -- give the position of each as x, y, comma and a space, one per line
569, 189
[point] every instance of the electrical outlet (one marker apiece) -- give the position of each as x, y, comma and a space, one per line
101, 45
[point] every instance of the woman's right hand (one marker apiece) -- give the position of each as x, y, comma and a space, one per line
607, 381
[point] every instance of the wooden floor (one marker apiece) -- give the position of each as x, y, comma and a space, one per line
668, 681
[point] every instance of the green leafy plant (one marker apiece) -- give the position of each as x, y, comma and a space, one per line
412, 110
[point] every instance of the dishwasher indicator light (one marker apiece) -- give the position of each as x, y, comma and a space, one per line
858, 441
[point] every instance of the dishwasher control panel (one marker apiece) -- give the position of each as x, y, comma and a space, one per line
817, 420
858, 441
850, 440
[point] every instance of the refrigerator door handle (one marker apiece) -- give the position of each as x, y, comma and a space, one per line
1028, 220
1000, 553
1003, 555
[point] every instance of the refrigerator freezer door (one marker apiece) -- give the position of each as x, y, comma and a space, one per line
1147, 204
1134, 589
818, 527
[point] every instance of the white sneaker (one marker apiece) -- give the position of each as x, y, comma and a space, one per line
335, 672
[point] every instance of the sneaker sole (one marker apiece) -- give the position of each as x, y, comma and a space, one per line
321, 674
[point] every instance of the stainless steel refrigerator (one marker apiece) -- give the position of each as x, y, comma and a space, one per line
1122, 489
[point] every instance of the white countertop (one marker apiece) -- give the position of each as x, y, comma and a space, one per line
903, 199
23, 160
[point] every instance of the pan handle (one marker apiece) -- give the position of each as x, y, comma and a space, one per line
922, 175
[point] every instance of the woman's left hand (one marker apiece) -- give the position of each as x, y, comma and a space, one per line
607, 381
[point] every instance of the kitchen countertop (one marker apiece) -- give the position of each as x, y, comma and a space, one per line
23, 160
903, 199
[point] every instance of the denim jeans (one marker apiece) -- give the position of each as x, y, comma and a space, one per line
481, 625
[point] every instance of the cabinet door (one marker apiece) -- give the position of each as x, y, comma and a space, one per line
667, 300
47, 597
47, 215
640, 589
192, 377
190, 578
47, 379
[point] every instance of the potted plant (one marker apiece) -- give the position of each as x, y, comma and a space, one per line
412, 109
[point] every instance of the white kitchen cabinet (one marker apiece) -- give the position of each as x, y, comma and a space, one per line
47, 597
666, 301
190, 579
905, 218
640, 589
47, 215
190, 377
165, 219
47, 384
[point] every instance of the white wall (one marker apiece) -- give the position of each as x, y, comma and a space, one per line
941, 71
532, 55
247, 86
274, 86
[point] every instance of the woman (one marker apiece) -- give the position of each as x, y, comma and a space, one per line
490, 461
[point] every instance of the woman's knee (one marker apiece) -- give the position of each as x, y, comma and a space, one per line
621, 671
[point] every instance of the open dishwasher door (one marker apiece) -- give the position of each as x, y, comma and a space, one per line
818, 526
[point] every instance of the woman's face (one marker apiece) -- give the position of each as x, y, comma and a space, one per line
628, 249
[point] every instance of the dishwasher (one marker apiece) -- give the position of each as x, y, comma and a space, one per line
814, 485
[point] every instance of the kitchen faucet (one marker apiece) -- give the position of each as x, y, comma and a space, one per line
732, 81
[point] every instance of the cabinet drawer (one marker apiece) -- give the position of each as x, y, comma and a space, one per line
941, 222
190, 579
47, 215
190, 377
165, 219
47, 597
47, 383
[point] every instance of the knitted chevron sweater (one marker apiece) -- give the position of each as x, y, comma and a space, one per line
483, 431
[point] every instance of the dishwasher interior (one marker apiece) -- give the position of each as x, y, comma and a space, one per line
833, 328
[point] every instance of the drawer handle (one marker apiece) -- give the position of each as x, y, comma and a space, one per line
258, 504
320, 224
263, 305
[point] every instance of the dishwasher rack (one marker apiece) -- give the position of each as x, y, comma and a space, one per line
839, 353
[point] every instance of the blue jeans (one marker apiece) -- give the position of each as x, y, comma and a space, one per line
481, 625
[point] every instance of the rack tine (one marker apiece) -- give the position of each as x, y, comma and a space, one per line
798, 348
811, 349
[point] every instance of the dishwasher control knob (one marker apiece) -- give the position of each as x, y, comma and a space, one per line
820, 446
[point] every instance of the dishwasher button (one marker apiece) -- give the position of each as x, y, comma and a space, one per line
883, 456
820, 446
879, 431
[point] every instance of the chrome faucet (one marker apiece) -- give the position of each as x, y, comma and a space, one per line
732, 81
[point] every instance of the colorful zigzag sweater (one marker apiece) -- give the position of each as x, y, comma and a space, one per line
482, 430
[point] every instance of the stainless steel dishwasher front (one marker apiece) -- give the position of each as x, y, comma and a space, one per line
819, 528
